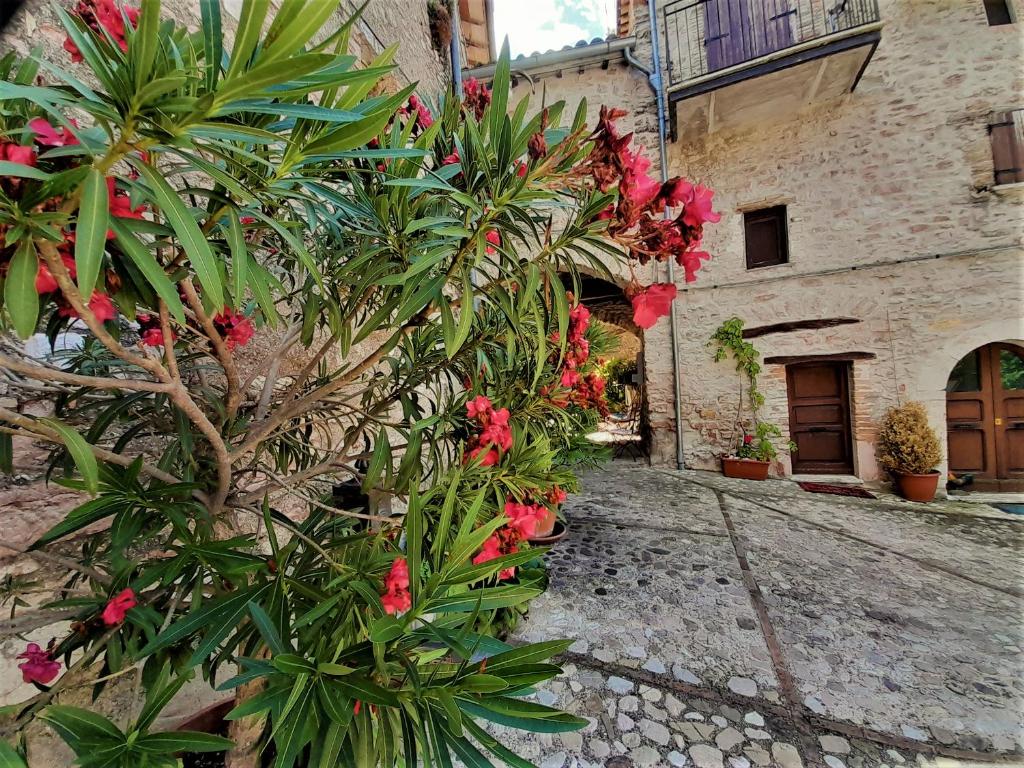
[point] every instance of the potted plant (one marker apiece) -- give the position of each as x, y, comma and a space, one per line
908, 449
755, 450
754, 454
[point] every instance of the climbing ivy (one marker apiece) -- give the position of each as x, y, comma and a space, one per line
728, 340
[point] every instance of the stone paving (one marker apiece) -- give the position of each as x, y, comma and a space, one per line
721, 623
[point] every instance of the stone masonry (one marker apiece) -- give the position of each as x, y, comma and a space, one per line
894, 180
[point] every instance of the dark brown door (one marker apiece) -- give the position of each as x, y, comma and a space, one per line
985, 417
819, 417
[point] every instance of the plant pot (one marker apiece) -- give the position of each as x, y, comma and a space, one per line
917, 487
560, 531
546, 525
745, 469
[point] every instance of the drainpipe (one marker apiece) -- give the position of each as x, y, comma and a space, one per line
456, 48
656, 80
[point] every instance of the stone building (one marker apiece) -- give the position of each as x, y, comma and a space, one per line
866, 162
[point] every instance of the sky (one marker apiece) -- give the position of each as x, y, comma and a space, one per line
540, 25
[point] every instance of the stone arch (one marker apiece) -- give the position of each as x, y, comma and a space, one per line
608, 303
931, 374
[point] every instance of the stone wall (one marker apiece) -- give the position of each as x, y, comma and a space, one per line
894, 174
35, 24
899, 170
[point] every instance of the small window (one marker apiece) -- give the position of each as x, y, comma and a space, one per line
998, 12
766, 236
1006, 130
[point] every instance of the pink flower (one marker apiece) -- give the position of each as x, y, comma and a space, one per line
494, 238
524, 518
15, 153
120, 204
748, 439
398, 576
570, 378
556, 495
105, 14
676, 191
423, 117
244, 220
478, 406
653, 302
698, 207
100, 305
494, 548
691, 261
235, 327
118, 606
491, 455
46, 282
152, 337
396, 597
452, 159
38, 666
48, 136
396, 602
521, 169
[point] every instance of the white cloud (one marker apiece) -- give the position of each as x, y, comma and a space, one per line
540, 25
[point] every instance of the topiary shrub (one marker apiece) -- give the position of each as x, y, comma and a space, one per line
907, 444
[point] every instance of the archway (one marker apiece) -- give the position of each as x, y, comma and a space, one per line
985, 418
626, 426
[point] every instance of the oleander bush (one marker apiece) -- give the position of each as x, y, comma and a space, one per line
210, 217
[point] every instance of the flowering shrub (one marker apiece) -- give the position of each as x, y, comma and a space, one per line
402, 259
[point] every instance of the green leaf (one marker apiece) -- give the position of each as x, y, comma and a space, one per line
385, 629
6, 453
83, 516
213, 41
75, 725
91, 231
500, 90
170, 742
145, 41
189, 234
247, 34
150, 268
220, 617
9, 758
20, 295
299, 32
80, 451
267, 629
22, 171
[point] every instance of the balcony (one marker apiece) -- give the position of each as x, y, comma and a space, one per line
736, 62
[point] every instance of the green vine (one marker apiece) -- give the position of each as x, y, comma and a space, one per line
728, 340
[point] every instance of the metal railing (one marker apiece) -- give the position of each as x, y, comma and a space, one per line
704, 36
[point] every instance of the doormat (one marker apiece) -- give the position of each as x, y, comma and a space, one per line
1013, 509
837, 490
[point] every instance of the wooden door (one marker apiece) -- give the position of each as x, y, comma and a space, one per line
819, 417
985, 417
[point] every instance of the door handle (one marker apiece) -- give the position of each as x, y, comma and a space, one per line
1017, 425
966, 426
817, 429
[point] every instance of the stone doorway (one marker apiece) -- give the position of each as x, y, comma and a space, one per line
627, 427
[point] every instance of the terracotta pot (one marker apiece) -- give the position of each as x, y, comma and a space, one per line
917, 487
560, 531
745, 469
545, 526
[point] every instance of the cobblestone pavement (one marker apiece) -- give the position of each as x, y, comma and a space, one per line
724, 624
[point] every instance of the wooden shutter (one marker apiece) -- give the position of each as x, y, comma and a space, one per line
1007, 133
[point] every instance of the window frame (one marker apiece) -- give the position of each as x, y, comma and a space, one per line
998, 13
779, 214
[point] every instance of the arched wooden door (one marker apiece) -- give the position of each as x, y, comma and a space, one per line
985, 417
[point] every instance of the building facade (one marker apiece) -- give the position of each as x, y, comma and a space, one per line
866, 162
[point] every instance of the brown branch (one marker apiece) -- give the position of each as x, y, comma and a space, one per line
33, 429
46, 373
220, 348
27, 622
168, 337
55, 559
